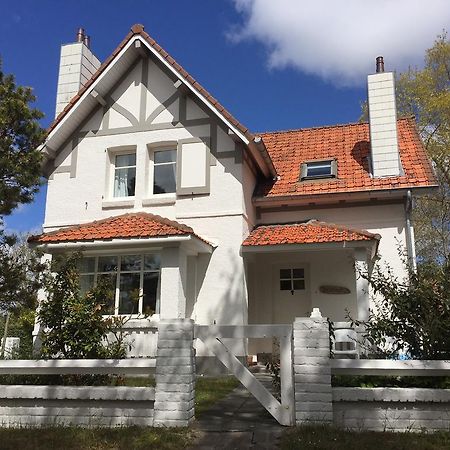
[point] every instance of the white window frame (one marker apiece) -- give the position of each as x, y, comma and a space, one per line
119, 272
150, 178
111, 169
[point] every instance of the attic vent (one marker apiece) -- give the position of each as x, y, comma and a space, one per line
325, 168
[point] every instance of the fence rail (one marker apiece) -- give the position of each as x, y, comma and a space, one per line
390, 367
142, 366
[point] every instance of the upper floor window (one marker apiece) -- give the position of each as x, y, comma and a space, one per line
132, 281
318, 169
124, 175
165, 171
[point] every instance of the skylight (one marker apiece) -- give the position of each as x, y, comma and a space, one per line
318, 169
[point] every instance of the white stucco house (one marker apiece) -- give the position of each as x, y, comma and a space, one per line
169, 195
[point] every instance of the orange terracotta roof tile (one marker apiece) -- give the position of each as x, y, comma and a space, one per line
134, 225
349, 146
311, 232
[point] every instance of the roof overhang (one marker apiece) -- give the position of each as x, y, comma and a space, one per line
191, 244
370, 245
341, 197
108, 77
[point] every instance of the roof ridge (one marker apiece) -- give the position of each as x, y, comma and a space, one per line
345, 228
321, 127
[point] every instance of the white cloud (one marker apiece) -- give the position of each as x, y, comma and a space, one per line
339, 39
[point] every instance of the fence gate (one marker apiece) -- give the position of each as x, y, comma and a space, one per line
212, 336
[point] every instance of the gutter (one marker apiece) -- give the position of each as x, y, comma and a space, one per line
115, 243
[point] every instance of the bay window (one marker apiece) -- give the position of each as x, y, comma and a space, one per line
132, 281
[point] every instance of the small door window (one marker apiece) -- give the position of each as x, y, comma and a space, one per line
292, 280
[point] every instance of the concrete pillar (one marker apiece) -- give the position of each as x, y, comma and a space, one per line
173, 283
312, 372
175, 374
362, 285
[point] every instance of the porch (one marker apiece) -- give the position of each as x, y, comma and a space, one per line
293, 269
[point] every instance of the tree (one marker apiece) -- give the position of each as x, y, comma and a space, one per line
20, 137
426, 94
20, 160
412, 316
72, 321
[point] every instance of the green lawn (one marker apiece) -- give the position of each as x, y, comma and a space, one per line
74, 438
208, 391
325, 438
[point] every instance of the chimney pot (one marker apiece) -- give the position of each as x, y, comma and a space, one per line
380, 64
80, 35
87, 41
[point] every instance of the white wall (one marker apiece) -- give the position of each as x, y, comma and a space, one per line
216, 289
386, 220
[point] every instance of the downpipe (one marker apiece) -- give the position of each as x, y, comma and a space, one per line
410, 247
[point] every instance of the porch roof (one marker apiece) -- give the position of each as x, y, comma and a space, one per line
311, 232
141, 226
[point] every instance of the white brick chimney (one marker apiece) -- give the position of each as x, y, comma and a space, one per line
383, 123
76, 67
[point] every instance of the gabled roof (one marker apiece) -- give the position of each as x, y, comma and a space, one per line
137, 31
349, 146
311, 232
133, 225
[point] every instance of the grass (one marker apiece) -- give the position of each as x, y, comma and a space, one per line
76, 438
324, 438
208, 391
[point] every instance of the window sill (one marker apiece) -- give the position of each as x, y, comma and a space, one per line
160, 199
110, 204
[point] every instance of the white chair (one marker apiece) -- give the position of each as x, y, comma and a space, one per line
345, 340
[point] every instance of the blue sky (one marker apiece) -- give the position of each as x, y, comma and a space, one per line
270, 71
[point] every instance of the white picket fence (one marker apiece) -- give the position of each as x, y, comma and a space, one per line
391, 408
38, 405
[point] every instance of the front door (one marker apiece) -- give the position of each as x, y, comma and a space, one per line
291, 296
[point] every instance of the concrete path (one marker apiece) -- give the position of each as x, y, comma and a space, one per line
238, 422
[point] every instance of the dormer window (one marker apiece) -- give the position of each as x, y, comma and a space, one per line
312, 170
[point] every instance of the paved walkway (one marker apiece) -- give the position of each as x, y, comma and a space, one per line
238, 422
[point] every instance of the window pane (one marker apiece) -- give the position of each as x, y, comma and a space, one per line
124, 182
108, 282
86, 283
299, 285
285, 285
152, 262
165, 156
86, 265
318, 169
150, 293
164, 179
107, 263
130, 263
129, 293
285, 273
298, 273
126, 160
